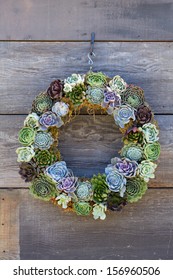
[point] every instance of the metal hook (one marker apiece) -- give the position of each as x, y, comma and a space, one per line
90, 61
91, 53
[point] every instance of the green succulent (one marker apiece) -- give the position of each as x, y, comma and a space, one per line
82, 208
134, 96
133, 137
95, 95
26, 136
43, 140
115, 202
43, 188
152, 151
32, 120
118, 84
42, 103
44, 158
96, 79
135, 189
146, 169
77, 94
84, 191
100, 188
25, 154
132, 152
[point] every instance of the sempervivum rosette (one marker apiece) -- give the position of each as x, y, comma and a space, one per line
41, 103
118, 84
50, 119
82, 208
115, 202
133, 152
124, 166
27, 171
135, 189
133, 96
43, 140
97, 80
77, 94
95, 95
55, 90
44, 158
26, 136
123, 115
100, 188
152, 151
133, 135
143, 114
147, 169
84, 191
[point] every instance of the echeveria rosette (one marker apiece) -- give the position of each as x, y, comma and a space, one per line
133, 96
32, 120
77, 94
123, 115
135, 189
111, 100
26, 136
42, 103
124, 166
55, 90
133, 152
133, 135
63, 200
150, 132
96, 79
143, 114
43, 140
99, 211
25, 154
115, 202
146, 169
58, 171
100, 188
84, 191
61, 109
95, 95
72, 81
118, 84
44, 158
43, 188
116, 181
82, 208
50, 119
27, 171
152, 151
68, 184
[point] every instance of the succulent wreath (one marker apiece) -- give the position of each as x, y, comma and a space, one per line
125, 178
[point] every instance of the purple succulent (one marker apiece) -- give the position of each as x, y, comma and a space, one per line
68, 184
124, 166
50, 119
111, 100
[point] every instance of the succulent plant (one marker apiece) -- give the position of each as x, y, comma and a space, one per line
76, 95
118, 84
111, 100
96, 79
150, 132
115, 202
43, 188
84, 191
95, 95
32, 120
146, 169
41, 103
133, 135
135, 189
72, 81
68, 184
27, 171
82, 208
61, 109
58, 171
63, 200
124, 166
116, 181
26, 136
143, 114
123, 114
99, 211
100, 188
152, 151
43, 140
50, 119
133, 96
25, 154
55, 90
44, 158
133, 152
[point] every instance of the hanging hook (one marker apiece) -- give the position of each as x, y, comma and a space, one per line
91, 52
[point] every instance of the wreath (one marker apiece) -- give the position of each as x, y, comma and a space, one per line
125, 178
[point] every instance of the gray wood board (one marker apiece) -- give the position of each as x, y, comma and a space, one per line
28, 68
86, 145
76, 19
141, 231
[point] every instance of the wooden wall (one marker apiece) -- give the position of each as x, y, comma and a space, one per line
46, 39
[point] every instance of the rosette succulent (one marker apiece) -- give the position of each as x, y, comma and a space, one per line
76, 95
43, 140
123, 115
150, 132
152, 151
99, 211
43, 188
44, 158
58, 171
96, 79
118, 84
60, 109
143, 114
116, 181
26, 136
124, 166
84, 191
82, 208
100, 188
95, 95
133, 152
68, 184
50, 119
42, 103
133, 135
133, 96
146, 169
72, 81
135, 189
32, 120
55, 90
111, 100
115, 202
25, 154
63, 200
27, 171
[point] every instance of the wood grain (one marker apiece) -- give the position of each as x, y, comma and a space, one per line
86, 145
28, 68
143, 230
76, 19
9, 224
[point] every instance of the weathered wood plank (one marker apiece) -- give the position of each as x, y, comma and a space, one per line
75, 20
28, 68
87, 147
141, 231
9, 224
